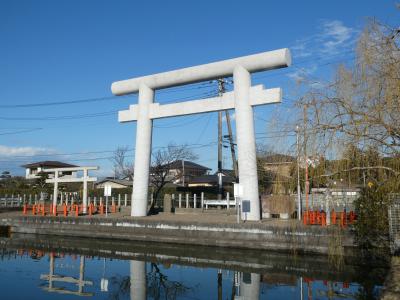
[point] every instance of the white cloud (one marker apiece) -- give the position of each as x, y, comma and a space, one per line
6, 151
336, 36
331, 38
301, 74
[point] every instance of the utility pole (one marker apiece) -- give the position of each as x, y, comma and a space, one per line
298, 175
234, 161
221, 89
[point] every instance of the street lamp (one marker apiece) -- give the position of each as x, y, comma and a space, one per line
298, 174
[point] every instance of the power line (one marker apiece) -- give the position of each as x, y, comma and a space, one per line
57, 118
93, 115
56, 103
97, 99
189, 146
201, 85
180, 123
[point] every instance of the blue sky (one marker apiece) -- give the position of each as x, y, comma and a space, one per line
56, 51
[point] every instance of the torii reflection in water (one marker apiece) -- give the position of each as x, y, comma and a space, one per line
248, 285
80, 282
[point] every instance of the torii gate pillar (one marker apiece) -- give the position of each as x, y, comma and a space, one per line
242, 99
142, 153
246, 143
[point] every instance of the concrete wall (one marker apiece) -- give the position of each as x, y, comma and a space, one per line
300, 239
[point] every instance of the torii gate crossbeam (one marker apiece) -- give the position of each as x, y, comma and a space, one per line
243, 97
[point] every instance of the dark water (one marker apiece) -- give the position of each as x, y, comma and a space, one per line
33, 267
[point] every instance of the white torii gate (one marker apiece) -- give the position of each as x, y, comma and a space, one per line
85, 179
242, 99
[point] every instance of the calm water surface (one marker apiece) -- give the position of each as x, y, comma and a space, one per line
74, 269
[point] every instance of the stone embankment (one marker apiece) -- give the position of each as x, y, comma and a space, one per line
392, 284
285, 236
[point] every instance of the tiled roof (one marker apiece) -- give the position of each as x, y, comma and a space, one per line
118, 181
49, 164
188, 164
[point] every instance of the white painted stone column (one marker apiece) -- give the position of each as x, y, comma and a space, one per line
84, 196
246, 142
81, 282
138, 280
144, 128
55, 192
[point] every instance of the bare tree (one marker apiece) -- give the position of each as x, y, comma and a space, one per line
361, 106
162, 164
122, 168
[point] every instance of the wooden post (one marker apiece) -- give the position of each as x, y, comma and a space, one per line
202, 200
227, 201
126, 200
119, 200
180, 200
187, 200
194, 201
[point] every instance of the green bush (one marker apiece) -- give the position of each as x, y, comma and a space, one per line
372, 228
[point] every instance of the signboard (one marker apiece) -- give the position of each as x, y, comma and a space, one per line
246, 206
107, 190
237, 190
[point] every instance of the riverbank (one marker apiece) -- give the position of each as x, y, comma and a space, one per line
220, 230
392, 283
255, 273
243, 260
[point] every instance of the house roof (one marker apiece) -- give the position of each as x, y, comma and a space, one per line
124, 182
49, 164
212, 179
227, 172
188, 164
278, 158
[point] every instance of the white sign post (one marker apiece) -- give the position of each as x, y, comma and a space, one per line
107, 193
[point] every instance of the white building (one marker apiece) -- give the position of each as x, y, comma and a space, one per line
32, 170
